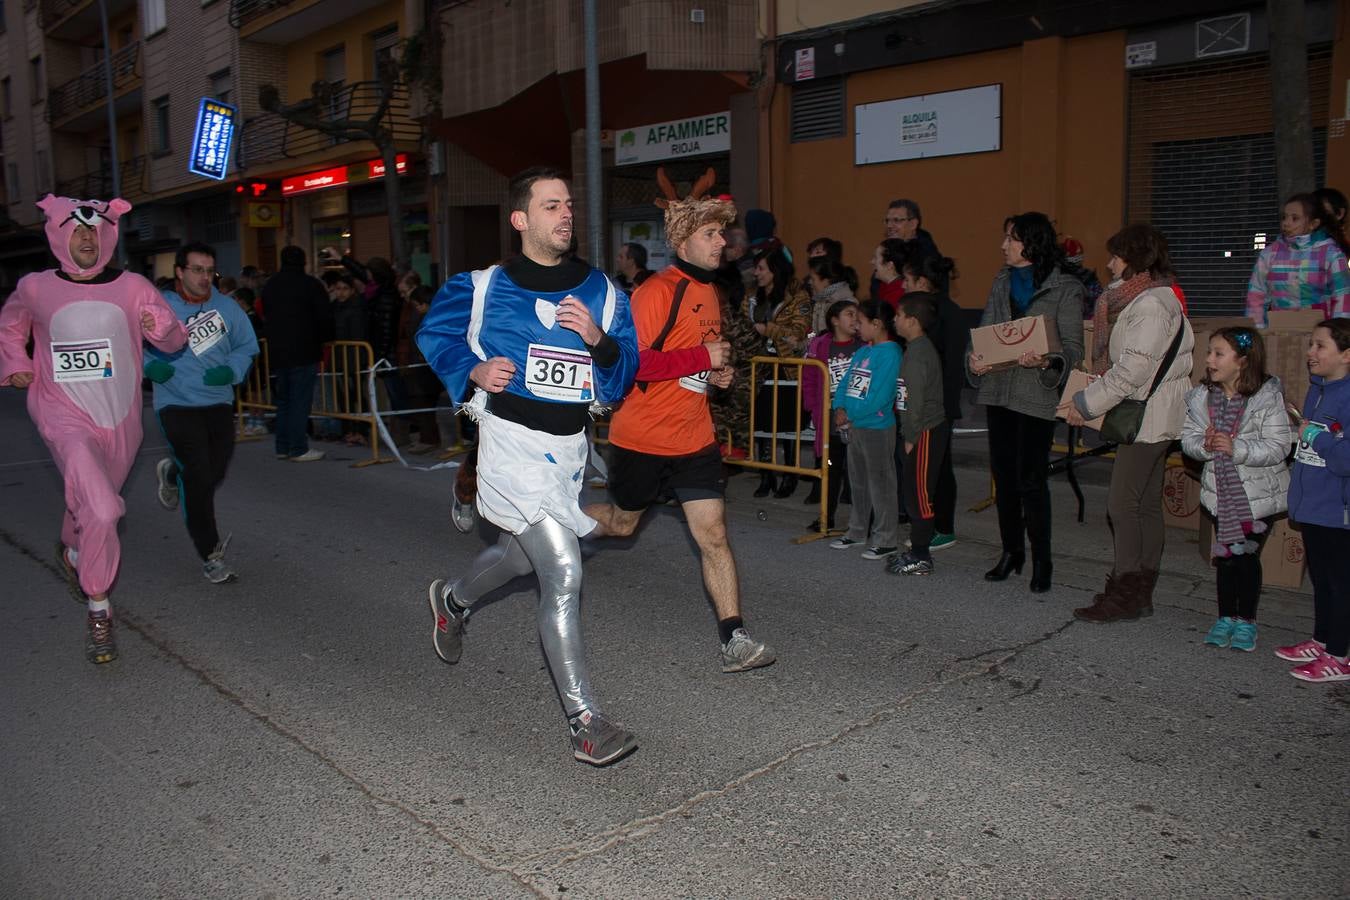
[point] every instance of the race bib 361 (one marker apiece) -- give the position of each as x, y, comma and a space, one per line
559, 373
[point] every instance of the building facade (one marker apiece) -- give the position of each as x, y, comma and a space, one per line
675, 90
1096, 114
166, 56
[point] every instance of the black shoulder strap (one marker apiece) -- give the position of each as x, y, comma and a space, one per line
659, 344
1167, 359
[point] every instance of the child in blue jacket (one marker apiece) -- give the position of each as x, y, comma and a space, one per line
864, 405
1319, 500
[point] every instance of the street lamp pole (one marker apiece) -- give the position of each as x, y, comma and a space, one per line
112, 120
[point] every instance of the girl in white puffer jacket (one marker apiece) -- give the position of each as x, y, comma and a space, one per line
1237, 423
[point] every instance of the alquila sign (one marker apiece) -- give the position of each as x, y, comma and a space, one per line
698, 136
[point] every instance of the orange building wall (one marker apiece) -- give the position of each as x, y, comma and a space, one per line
1062, 154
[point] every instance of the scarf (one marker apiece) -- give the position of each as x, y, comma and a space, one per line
1021, 288
1234, 514
182, 291
1115, 298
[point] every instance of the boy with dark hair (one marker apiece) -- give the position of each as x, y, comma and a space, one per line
923, 428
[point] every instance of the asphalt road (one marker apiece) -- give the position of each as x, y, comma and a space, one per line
293, 734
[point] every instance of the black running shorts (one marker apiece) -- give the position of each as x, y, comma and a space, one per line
637, 480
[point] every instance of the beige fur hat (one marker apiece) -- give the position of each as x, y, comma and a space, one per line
684, 217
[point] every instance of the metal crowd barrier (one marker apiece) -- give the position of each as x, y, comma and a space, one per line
797, 435
340, 394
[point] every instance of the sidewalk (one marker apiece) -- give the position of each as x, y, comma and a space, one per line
1082, 552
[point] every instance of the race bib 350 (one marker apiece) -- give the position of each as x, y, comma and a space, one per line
82, 360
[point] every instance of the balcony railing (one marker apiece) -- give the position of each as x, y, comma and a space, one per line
98, 185
53, 11
269, 138
91, 85
244, 11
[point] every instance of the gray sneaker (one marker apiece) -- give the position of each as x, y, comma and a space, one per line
742, 653
448, 635
462, 515
599, 741
216, 569
168, 483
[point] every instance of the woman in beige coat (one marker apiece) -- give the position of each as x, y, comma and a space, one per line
1135, 322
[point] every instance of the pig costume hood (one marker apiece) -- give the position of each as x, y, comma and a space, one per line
64, 215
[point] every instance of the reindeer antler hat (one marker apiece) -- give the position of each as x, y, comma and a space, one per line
684, 217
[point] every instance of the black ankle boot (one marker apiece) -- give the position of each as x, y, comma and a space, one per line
766, 484
1007, 564
1041, 570
786, 486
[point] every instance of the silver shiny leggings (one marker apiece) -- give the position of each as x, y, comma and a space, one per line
553, 553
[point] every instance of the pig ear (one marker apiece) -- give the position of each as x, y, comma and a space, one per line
118, 207
47, 202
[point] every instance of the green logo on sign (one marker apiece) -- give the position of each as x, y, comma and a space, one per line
627, 139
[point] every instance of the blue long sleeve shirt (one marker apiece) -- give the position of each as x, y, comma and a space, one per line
867, 393
219, 334
1319, 486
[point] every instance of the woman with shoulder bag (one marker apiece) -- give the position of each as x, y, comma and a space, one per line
1020, 401
1142, 346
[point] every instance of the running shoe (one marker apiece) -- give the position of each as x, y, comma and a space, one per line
909, 564
1303, 651
309, 456
878, 552
71, 575
743, 652
461, 515
216, 569
1244, 636
597, 740
168, 483
1221, 632
844, 543
100, 646
448, 635
941, 542
1323, 669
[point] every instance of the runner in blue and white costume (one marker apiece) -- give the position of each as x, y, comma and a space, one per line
541, 338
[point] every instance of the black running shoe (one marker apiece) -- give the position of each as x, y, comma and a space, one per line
101, 646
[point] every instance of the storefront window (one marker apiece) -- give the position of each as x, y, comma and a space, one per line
332, 241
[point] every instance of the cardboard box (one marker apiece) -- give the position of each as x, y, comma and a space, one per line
1180, 499
1282, 558
1286, 339
1076, 382
1000, 346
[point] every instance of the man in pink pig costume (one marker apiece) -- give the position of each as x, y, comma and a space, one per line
87, 321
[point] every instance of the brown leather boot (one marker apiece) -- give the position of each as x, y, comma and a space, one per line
1112, 605
1148, 580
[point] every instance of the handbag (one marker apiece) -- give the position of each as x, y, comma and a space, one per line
1122, 423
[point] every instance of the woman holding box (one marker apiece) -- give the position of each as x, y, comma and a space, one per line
1142, 345
1020, 401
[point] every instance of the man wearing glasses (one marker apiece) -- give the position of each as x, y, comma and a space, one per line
194, 399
